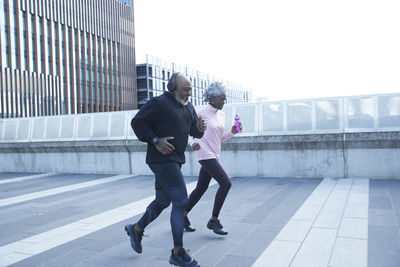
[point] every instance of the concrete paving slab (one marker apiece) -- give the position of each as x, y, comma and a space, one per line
349, 252
17, 178
319, 241
354, 228
383, 228
356, 210
295, 230
278, 254
10, 175
59, 190
310, 259
382, 217
380, 203
235, 261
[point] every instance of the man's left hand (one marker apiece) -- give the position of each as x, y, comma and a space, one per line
201, 125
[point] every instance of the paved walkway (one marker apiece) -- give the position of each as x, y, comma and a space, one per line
78, 220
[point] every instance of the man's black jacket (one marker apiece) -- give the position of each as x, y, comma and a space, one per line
161, 117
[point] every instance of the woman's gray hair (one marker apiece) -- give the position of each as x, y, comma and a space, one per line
214, 90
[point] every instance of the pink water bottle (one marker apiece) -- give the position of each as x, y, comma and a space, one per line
237, 123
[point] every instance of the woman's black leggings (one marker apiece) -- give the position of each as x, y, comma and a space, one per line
210, 168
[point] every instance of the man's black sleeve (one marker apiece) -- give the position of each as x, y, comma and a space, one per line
194, 131
144, 119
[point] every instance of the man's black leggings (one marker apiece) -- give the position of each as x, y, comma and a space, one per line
210, 168
170, 187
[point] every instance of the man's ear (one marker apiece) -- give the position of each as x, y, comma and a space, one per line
171, 86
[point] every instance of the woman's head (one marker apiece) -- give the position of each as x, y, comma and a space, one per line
215, 95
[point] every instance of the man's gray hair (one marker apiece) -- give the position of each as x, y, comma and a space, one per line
214, 90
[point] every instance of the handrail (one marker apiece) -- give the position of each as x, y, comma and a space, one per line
367, 113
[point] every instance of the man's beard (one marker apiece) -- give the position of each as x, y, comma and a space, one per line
180, 100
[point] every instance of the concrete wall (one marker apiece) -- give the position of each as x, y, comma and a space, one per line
365, 155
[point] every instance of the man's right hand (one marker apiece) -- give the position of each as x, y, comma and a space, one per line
164, 147
196, 146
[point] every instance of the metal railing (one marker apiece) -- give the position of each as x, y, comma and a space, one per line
370, 113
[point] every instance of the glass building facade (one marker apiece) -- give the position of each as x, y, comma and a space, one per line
66, 57
154, 74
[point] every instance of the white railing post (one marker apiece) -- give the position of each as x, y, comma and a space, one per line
91, 125
285, 117
376, 114
341, 115
260, 118
346, 115
313, 116
75, 131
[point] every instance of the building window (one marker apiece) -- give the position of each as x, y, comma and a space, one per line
24, 42
42, 46
56, 46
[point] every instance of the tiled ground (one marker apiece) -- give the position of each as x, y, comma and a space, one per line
78, 220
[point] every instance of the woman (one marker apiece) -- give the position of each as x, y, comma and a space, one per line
207, 151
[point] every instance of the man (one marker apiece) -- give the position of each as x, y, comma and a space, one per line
165, 123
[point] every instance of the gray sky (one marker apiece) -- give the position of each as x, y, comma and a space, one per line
283, 49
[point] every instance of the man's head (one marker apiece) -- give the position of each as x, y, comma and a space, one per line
180, 87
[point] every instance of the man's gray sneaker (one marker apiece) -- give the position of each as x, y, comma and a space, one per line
182, 259
136, 238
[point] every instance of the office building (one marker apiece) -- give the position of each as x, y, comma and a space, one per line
153, 75
66, 57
